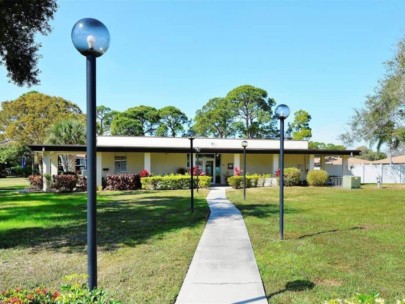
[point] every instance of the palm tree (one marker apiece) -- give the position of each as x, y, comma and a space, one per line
68, 132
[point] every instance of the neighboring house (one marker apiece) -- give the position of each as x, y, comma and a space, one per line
165, 155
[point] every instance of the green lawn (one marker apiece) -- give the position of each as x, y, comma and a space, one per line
12, 183
337, 242
146, 240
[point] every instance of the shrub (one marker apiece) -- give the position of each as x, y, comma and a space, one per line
64, 183
235, 181
237, 171
144, 173
252, 180
36, 182
197, 171
181, 171
172, 182
123, 182
82, 182
317, 177
292, 177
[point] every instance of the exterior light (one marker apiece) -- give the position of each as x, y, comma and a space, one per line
92, 39
282, 111
244, 145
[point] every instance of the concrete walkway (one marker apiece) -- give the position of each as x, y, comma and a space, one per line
223, 269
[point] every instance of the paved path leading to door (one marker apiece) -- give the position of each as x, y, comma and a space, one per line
223, 269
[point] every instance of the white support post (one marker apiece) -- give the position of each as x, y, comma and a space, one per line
147, 162
236, 161
99, 174
276, 164
345, 165
310, 164
323, 163
46, 168
54, 158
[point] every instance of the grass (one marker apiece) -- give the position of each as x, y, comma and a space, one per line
146, 240
12, 183
337, 242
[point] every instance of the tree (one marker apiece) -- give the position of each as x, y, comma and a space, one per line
136, 121
104, 119
324, 146
68, 132
27, 119
381, 120
171, 121
299, 128
254, 111
216, 119
20, 22
369, 154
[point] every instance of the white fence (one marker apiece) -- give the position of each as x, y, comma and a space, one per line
391, 174
388, 173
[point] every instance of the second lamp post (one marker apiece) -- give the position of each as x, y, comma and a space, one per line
244, 145
282, 112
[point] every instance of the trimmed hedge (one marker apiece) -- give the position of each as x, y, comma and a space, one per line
36, 182
123, 182
64, 183
252, 180
173, 182
317, 177
292, 177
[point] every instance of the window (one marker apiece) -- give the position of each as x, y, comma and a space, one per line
120, 164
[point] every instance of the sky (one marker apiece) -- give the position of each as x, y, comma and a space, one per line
323, 57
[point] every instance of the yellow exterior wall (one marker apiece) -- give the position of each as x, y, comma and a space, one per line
258, 163
297, 161
225, 172
166, 163
134, 161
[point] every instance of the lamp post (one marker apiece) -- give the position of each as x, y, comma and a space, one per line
197, 149
92, 39
244, 145
282, 112
191, 173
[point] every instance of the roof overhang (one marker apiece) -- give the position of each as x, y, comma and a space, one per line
82, 148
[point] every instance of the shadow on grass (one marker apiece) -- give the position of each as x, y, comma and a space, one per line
263, 211
295, 286
330, 231
131, 220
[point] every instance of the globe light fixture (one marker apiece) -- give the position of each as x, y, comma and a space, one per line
282, 112
92, 39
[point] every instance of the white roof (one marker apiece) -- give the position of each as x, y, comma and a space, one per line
203, 143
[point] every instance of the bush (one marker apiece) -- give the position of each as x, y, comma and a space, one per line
360, 298
172, 182
36, 182
252, 180
317, 177
144, 173
123, 182
64, 183
82, 182
292, 177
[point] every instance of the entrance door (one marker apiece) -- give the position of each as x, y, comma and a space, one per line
209, 169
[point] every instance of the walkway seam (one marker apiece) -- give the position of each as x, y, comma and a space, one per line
224, 268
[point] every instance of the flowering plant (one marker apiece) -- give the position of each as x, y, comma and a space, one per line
277, 172
197, 171
237, 171
144, 173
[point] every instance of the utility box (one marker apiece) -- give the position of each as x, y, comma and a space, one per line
351, 182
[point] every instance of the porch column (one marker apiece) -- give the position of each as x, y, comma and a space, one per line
310, 164
46, 168
345, 165
323, 164
276, 164
54, 158
236, 161
147, 162
99, 170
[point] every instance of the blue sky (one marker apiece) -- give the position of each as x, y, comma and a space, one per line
324, 57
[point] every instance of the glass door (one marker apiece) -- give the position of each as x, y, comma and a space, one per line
209, 169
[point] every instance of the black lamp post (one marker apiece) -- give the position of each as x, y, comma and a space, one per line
191, 172
92, 39
282, 112
197, 149
244, 145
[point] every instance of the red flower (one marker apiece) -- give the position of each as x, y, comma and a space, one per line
30, 296
56, 295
